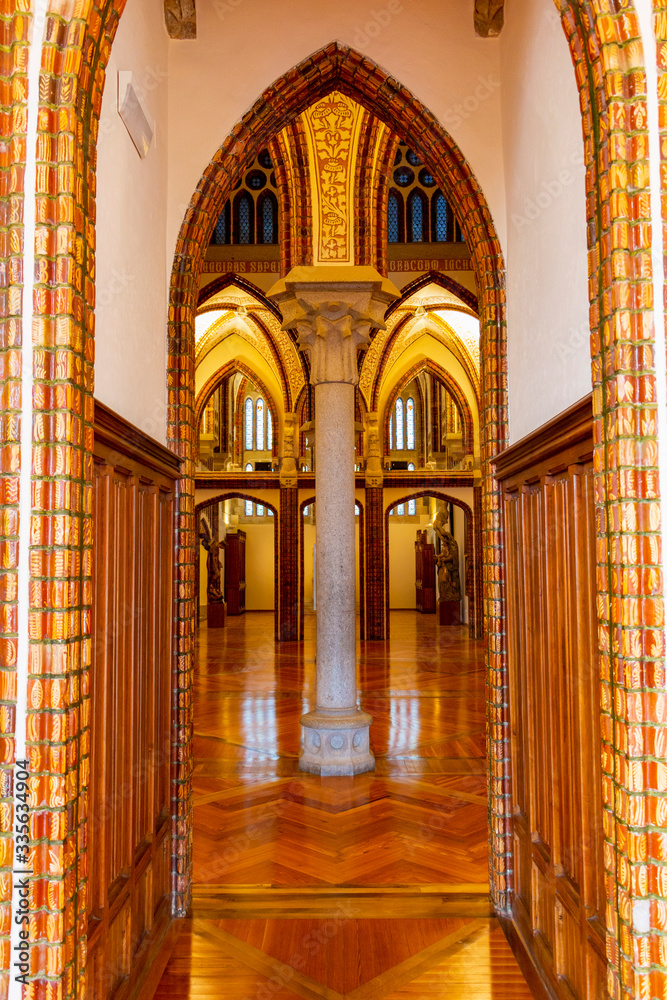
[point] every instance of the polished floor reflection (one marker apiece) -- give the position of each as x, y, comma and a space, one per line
374, 886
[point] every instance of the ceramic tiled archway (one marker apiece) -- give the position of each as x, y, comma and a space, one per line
338, 67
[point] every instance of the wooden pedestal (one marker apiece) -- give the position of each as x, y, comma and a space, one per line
449, 612
215, 615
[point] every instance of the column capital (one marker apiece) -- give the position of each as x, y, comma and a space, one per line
333, 309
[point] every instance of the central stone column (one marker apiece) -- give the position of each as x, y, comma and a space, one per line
333, 309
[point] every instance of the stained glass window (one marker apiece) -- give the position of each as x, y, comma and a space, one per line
412, 507
410, 424
416, 217
245, 219
400, 510
221, 233
412, 158
248, 508
260, 510
269, 512
259, 432
268, 210
248, 423
440, 218
404, 177
269, 430
393, 225
306, 511
411, 466
248, 467
400, 439
256, 180
391, 432
265, 159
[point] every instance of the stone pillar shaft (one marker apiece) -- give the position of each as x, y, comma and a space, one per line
333, 310
335, 567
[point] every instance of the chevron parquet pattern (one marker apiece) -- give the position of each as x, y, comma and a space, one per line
373, 887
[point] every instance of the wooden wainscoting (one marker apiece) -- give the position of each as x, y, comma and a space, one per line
129, 826
558, 899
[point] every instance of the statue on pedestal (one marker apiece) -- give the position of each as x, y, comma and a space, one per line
213, 566
447, 560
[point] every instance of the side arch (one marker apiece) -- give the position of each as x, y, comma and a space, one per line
473, 543
231, 368
452, 386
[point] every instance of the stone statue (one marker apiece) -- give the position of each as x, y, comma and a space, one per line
374, 469
288, 466
447, 560
213, 567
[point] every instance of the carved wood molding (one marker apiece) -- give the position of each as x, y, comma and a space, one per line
489, 17
564, 440
122, 437
180, 17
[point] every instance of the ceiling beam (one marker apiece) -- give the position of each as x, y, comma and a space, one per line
180, 17
489, 17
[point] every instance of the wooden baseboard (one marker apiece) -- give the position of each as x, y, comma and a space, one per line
156, 961
539, 987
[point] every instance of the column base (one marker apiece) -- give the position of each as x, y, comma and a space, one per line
336, 744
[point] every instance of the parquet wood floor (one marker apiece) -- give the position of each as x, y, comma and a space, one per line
371, 887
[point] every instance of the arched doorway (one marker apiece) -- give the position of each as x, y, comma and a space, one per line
256, 518
465, 530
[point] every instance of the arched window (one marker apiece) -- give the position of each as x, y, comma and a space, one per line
269, 430
248, 508
306, 511
417, 217
259, 431
269, 512
410, 424
248, 467
400, 510
244, 229
248, 423
394, 218
399, 413
391, 432
411, 466
412, 507
267, 217
260, 510
440, 211
222, 233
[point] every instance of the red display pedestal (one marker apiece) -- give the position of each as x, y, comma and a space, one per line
449, 612
215, 615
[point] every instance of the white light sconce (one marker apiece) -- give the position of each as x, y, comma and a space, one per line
134, 113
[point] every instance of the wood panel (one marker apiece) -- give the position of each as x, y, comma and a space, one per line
129, 827
558, 899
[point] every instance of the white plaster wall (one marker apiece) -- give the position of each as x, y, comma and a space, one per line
547, 296
243, 46
259, 566
402, 578
131, 313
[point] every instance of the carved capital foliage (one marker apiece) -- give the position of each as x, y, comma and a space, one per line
180, 17
333, 311
489, 17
